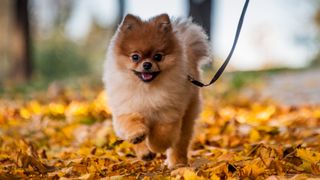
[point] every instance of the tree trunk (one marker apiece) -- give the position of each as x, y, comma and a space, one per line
200, 11
121, 8
21, 44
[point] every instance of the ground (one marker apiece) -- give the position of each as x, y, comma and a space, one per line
253, 133
294, 88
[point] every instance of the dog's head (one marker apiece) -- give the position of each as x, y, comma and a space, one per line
146, 48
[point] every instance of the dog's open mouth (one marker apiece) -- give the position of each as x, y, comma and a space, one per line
146, 76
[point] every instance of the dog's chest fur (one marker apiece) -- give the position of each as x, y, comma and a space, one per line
161, 102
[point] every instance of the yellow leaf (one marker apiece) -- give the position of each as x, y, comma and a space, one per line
253, 168
316, 113
254, 135
2, 119
227, 112
56, 109
85, 176
301, 177
264, 113
77, 109
215, 177
191, 175
24, 113
84, 151
105, 134
207, 113
308, 155
186, 173
306, 166
101, 102
35, 107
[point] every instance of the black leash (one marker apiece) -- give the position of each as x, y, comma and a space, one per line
224, 65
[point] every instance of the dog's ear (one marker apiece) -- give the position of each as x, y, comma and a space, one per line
129, 22
163, 22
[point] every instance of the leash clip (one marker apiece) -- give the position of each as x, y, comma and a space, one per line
195, 82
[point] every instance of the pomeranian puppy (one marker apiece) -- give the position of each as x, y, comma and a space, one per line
154, 106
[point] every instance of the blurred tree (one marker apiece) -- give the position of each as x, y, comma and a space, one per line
21, 42
58, 58
200, 11
64, 10
121, 8
316, 61
5, 13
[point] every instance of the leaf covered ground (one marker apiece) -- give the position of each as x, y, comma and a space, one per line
67, 133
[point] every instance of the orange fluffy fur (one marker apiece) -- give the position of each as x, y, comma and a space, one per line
157, 116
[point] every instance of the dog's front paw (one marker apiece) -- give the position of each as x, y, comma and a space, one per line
142, 151
149, 156
173, 166
133, 127
176, 166
175, 159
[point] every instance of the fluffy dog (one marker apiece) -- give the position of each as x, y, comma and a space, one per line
154, 106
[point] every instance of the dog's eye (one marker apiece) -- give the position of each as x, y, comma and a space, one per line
157, 57
135, 57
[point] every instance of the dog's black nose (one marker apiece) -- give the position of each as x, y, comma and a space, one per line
147, 65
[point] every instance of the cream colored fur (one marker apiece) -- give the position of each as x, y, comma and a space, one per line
163, 110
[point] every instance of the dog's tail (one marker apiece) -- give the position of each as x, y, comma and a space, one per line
195, 41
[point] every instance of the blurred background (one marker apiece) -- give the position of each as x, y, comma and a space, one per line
42, 41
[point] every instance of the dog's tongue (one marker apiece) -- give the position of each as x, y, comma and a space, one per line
146, 76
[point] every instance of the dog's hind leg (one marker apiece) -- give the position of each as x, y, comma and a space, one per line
163, 135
